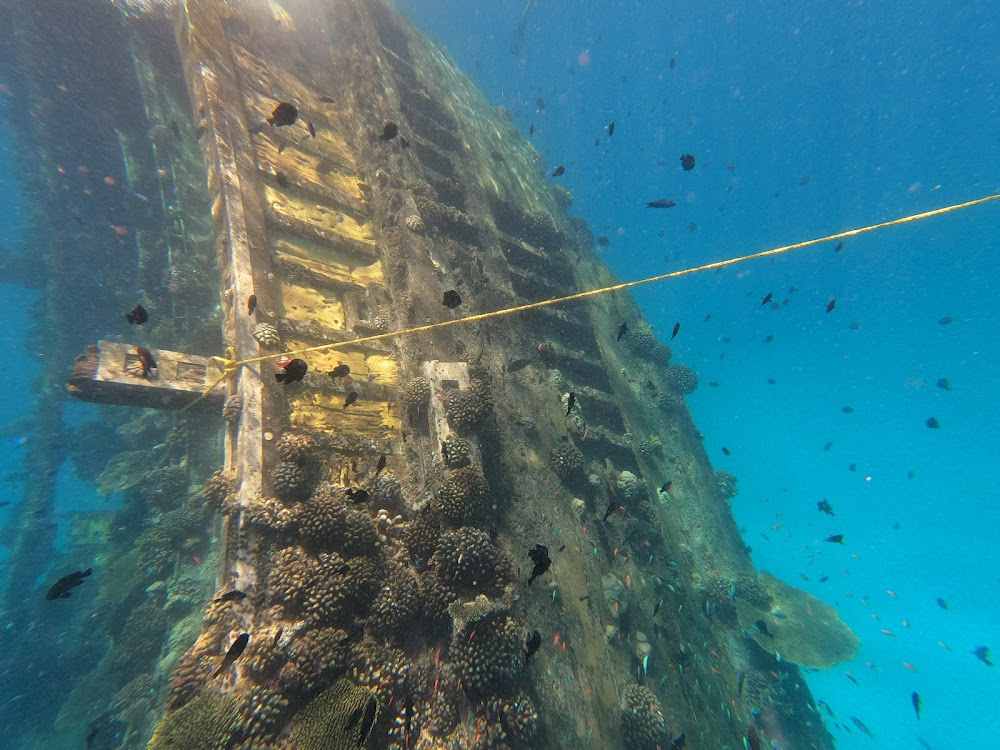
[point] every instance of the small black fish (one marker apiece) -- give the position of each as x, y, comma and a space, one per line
233, 654
835, 539
943, 384
611, 128
145, 360
915, 699
340, 371
251, 304
357, 494
539, 104
622, 330
661, 203
531, 129
673, 63
390, 131
452, 299
532, 646
740, 679
518, 364
612, 507
725, 451
824, 507
853, 467
687, 162
665, 487
403, 142
677, 329
284, 114
656, 607
910, 474
947, 320
380, 465
540, 556
839, 247
942, 603
983, 654
824, 579
232, 596
326, 100
767, 298
351, 398
364, 721
933, 423
827, 446
713, 383
294, 371
138, 316
61, 589
679, 742
772, 381
312, 129
559, 171
570, 402
762, 627
831, 304
603, 241
281, 179
847, 409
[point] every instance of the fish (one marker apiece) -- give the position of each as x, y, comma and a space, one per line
983, 654
61, 589
622, 330
753, 741
679, 742
612, 507
725, 451
861, 725
831, 304
933, 423
570, 402
531, 647
915, 699
137, 316
772, 381
824, 579
713, 383
656, 607
767, 298
665, 487
835, 539
389, 131
531, 129
251, 304
673, 63
281, 179
340, 371
452, 299
946, 321
381, 464
539, 104
361, 722
839, 247
827, 446
351, 398
687, 162
852, 678
942, 603
661, 203
312, 129
540, 556
769, 338
611, 128
231, 596
826, 707
326, 100
146, 361
847, 409
677, 329
283, 115
517, 364
294, 371
853, 467
824, 507
603, 241
943, 384
357, 494
233, 653
559, 171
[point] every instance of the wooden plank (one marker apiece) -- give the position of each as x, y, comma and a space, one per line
110, 373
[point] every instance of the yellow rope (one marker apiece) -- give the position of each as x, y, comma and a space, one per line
233, 365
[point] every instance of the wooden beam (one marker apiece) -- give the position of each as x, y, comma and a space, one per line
110, 373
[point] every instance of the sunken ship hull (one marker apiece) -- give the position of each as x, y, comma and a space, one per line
382, 545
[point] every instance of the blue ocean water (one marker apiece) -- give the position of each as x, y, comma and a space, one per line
806, 119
